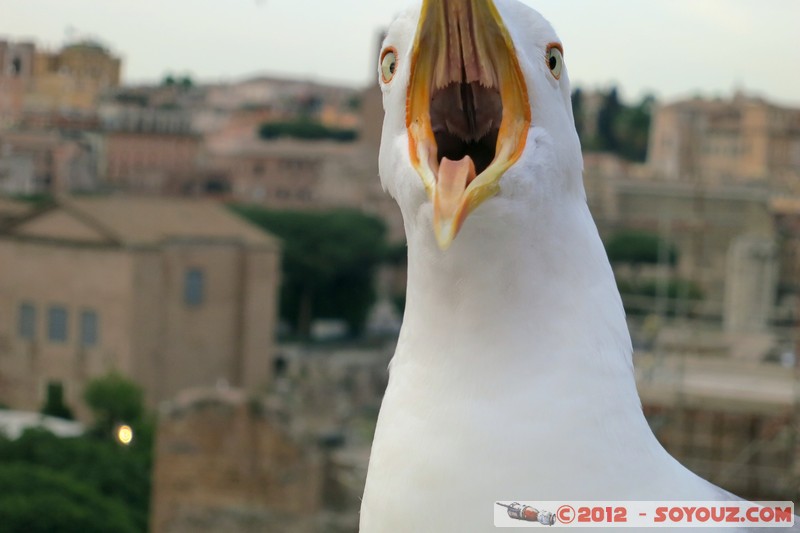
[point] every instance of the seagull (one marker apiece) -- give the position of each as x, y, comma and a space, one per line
513, 375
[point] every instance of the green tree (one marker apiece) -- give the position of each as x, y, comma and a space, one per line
54, 404
329, 261
119, 474
607, 139
113, 400
619, 128
307, 130
632, 129
578, 112
637, 247
39, 500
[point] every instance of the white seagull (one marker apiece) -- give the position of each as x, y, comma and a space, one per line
513, 375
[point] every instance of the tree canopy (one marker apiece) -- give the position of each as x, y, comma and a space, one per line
329, 262
81, 484
114, 400
614, 126
41, 500
637, 247
54, 404
184, 82
307, 130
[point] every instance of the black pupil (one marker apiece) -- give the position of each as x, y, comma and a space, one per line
391, 67
553, 62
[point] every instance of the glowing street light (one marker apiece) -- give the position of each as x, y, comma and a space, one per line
124, 435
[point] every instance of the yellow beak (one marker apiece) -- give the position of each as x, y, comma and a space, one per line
467, 108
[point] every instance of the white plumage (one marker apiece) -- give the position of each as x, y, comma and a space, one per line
512, 378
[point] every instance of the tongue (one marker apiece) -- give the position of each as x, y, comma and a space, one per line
452, 181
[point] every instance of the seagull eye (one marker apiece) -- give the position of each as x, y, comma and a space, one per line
388, 64
555, 59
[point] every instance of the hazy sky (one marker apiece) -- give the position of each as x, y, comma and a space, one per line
670, 47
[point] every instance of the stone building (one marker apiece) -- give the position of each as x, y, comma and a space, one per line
293, 459
150, 161
144, 148
703, 223
73, 77
743, 140
69, 79
787, 221
46, 161
171, 293
223, 462
289, 174
305, 175
11, 210
751, 282
733, 422
16, 72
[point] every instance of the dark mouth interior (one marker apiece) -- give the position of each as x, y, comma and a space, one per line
466, 118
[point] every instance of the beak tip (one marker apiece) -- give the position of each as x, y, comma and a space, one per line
445, 233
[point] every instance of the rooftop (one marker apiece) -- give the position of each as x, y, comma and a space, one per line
138, 221
12, 208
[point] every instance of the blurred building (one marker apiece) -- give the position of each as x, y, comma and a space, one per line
305, 175
16, 73
731, 422
331, 105
224, 462
46, 161
154, 162
703, 223
147, 149
787, 222
293, 459
71, 78
171, 293
11, 210
743, 140
293, 174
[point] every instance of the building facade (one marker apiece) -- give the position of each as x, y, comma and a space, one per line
153, 162
16, 72
173, 294
69, 79
47, 161
743, 140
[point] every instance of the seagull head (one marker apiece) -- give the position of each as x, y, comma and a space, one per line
477, 113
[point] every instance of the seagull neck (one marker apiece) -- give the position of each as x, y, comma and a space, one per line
519, 286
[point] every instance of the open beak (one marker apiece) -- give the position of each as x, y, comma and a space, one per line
467, 109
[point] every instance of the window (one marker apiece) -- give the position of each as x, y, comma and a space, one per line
193, 287
27, 322
88, 328
57, 324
